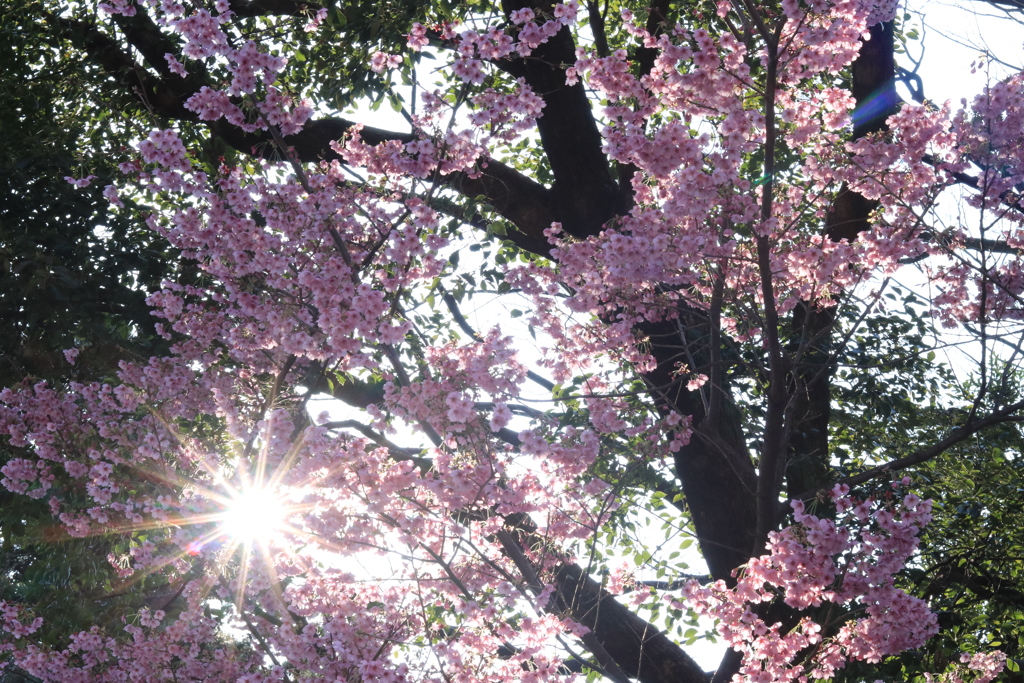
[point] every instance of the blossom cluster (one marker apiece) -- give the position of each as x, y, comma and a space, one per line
851, 562
188, 647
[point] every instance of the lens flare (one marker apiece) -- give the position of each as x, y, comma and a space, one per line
878, 106
254, 514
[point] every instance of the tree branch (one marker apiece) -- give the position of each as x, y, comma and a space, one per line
279, 8
715, 465
397, 453
527, 204
1009, 198
585, 194
1006, 414
635, 647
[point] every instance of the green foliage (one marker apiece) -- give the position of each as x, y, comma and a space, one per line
72, 274
891, 392
894, 396
972, 560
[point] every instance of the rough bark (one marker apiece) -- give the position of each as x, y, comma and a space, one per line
641, 650
717, 475
585, 196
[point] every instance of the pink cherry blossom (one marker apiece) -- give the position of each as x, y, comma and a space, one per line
327, 278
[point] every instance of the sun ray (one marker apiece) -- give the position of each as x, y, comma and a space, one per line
254, 513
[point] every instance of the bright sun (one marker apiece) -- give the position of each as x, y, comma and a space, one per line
254, 514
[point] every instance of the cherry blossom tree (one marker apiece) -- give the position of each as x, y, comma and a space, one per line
699, 212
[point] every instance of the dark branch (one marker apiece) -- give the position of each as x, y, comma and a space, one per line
585, 196
597, 27
1006, 414
396, 452
155, 94
989, 245
1009, 198
637, 649
715, 466
657, 23
453, 308
280, 8
527, 204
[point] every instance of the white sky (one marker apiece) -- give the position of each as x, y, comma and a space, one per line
955, 35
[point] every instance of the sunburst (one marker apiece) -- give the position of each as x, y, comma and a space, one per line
253, 514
